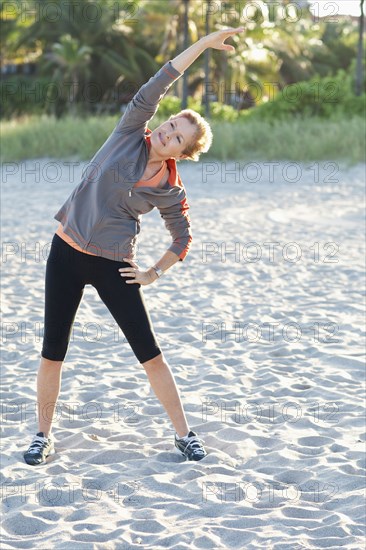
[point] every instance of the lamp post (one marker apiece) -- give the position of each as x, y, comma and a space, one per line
207, 62
359, 68
185, 46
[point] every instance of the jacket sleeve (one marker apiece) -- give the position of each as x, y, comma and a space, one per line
178, 223
145, 102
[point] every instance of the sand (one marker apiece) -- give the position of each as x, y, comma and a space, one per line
262, 325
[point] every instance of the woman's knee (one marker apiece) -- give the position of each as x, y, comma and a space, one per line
52, 363
156, 361
56, 339
54, 351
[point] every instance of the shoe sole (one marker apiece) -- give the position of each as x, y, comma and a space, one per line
43, 461
186, 457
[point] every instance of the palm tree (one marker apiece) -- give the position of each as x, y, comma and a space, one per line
71, 62
272, 53
113, 48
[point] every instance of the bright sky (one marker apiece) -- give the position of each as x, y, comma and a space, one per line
334, 7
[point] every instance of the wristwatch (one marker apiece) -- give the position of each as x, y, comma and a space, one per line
158, 271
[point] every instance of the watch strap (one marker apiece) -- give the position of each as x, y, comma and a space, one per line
158, 271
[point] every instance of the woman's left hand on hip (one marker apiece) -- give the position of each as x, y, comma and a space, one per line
137, 276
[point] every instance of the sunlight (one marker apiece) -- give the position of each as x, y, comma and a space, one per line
323, 8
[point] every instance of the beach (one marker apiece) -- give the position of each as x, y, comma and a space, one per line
262, 326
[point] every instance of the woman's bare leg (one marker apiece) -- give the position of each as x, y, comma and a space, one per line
162, 382
160, 377
48, 389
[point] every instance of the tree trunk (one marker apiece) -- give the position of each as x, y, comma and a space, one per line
73, 93
359, 69
207, 63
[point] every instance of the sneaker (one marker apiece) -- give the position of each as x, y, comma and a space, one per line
40, 448
190, 446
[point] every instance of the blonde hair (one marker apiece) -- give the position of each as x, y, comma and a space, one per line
202, 138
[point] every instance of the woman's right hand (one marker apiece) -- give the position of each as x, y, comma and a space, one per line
216, 39
213, 40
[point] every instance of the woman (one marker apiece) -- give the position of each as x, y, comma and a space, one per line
133, 172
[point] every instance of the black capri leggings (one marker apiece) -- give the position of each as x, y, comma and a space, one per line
67, 272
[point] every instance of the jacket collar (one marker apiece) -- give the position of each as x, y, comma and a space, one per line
174, 178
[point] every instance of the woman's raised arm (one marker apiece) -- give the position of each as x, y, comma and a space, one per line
145, 103
214, 40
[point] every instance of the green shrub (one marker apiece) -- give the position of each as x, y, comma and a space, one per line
353, 105
220, 111
169, 105
328, 97
23, 95
196, 105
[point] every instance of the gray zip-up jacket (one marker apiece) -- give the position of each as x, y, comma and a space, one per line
103, 213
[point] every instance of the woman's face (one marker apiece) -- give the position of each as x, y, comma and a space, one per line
171, 138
